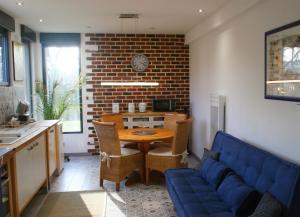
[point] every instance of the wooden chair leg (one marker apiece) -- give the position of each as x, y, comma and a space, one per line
147, 175
117, 186
101, 182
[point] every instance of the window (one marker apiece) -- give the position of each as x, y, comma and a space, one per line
291, 59
4, 61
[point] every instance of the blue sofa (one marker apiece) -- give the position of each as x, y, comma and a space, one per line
193, 196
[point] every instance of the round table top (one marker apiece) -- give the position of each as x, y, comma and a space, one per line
137, 135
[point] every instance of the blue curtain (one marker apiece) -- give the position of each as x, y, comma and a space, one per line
60, 39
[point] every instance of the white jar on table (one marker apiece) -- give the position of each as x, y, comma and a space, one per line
142, 107
115, 108
131, 108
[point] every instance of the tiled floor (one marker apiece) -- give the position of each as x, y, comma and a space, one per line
80, 174
138, 200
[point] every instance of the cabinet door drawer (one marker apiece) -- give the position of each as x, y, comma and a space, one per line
24, 175
31, 170
39, 160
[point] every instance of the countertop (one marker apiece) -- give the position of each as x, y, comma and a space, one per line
40, 127
45, 123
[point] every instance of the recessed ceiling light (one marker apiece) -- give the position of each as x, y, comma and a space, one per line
200, 10
41, 20
19, 3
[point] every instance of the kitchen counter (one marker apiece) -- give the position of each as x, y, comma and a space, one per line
45, 123
40, 127
5, 154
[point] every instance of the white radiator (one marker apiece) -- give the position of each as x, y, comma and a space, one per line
217, 114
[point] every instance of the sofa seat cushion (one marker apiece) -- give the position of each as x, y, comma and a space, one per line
194, 195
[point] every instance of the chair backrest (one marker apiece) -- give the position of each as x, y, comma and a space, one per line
114, 117
108, 137
181, 138
170, 120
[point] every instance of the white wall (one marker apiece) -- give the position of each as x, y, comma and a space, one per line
230, 61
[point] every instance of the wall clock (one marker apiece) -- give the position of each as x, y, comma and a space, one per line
139, 62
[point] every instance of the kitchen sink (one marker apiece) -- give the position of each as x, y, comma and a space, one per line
17, 132
8, 140
9, 136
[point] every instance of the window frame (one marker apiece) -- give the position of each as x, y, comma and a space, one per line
6, 58
44, 46
28, 45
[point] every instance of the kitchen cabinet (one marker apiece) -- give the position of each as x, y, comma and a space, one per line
31, 170
51, 136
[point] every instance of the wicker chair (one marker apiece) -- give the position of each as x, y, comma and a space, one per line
113, 117
118, 119
170, 120
163, 158
116, 162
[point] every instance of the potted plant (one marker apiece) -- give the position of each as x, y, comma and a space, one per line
56, 99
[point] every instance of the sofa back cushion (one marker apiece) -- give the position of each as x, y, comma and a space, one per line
208, 154
261, 170
240, 197
213, 172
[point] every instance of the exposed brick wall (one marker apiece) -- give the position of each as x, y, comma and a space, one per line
108, 58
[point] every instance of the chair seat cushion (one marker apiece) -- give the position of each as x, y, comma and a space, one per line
162, 151
129, 151
193, 196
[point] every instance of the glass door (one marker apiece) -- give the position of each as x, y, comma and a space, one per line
62, 67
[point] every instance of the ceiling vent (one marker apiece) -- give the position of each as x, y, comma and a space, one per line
128, 16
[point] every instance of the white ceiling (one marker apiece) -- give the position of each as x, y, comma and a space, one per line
156, 16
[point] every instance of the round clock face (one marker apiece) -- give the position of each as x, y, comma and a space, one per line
139, 62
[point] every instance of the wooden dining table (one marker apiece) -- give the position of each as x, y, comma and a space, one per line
144, 136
